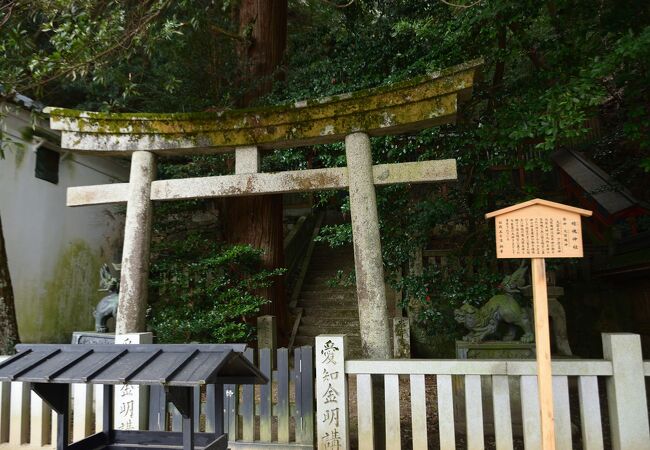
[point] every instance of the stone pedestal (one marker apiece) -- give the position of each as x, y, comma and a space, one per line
85, 395
559, 336
92, 338
491, 350
495, 350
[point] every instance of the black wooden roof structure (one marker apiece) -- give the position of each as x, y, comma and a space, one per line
50, 368
170, 365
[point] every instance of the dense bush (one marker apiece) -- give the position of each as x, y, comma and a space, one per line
205, 292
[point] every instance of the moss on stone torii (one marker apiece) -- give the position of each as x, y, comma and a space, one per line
407, 106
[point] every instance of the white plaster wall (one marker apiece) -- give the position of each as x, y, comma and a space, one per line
55, 252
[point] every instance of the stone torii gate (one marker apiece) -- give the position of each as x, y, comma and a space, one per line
399, 108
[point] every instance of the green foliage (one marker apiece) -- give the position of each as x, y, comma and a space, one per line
433, 296
335, 235
205, 292
551, 68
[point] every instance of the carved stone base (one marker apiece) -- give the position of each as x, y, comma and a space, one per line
92, 337
494, 350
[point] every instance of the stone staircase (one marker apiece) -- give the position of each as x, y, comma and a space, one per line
326, 309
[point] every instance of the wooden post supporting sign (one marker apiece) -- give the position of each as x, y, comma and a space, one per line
539, 229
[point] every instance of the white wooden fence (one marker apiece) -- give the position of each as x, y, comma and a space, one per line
621, 423
622, 371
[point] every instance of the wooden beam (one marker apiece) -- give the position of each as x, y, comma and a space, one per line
543, 350
265, 183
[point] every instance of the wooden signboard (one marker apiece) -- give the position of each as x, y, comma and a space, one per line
539, 229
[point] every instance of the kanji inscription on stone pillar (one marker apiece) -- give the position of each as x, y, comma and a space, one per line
131, 400
331, 393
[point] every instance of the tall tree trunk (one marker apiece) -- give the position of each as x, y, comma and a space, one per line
264, 22
8, 325
257, 220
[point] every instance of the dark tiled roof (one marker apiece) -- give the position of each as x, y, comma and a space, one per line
172, 365
595, 181
21, 100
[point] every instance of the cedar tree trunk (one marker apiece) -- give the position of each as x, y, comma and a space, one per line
8, 325
257, 220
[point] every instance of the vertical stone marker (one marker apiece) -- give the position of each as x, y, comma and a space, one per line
540, 229
331, 394
130, 400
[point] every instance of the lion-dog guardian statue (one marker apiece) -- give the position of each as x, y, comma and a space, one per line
501, 308
107, 306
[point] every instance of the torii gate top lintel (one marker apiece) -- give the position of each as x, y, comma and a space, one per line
402, 107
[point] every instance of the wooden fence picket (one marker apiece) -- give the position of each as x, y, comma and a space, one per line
157, 408
40, 422
20, 412
391, 395
474, 412
82, 410
283, 407
501, 412
446, 426
248, 405
231, 405
306, 371
530, 413
5, 394
562, 413
364, 414
297, 383
266, 400
590, 418
419, 412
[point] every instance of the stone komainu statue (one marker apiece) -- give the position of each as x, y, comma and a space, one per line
501, 308
107, 306
483, 322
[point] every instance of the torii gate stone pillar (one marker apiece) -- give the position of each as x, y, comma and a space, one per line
137, 239
368, 264
405, 107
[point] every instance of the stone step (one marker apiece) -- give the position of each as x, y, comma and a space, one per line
342, 296
345, 258
342, 256
353, 339
322, 308
331, 313
353, 344
318, 289
324, 295
322, 274
328, 269
330, 321
324, 305
315, 330
325, 282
